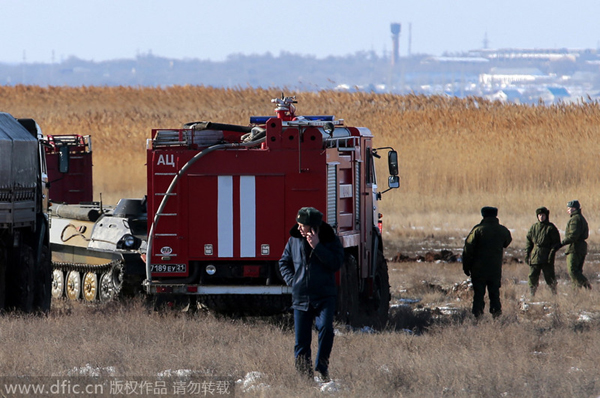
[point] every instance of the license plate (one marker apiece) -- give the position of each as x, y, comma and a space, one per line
251, 271
168, 268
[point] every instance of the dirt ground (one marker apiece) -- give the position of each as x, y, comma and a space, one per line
429, 287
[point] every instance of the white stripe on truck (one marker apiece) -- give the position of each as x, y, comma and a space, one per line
225, 216
247, 216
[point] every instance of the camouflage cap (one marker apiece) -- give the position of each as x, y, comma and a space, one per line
574, 204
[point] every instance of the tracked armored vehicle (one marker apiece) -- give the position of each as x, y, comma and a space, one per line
97, 251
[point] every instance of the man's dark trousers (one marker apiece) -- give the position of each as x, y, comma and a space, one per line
322, 314
493, 288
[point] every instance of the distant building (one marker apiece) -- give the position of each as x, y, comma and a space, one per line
556, 95
507, 96
501, 77
455, 60
513, 54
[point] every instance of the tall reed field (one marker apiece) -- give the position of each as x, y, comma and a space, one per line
456, 155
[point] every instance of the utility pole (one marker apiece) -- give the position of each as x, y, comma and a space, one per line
395, 28
409, 39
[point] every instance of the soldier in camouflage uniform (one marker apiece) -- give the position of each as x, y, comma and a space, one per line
542, 238
576, 233
482, 260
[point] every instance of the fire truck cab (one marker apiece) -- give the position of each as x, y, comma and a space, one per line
222, 199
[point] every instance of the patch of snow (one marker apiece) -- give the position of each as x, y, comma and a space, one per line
89, 370
338, 332
252, 382
176, 373
398, 306
329, 387
409, 300
364, 329
367, 329
384, 369
448, 310
584, 317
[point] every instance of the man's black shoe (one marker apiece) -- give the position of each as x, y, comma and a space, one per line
324, 376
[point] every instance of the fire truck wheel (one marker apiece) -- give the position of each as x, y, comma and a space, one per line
58, 283
73, 285
380, 304
348, 304
90, 286
43, 281
25, 280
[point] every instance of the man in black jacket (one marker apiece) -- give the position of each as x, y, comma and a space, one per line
482, 260
311, 258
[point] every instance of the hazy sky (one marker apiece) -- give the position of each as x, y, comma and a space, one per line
46, 31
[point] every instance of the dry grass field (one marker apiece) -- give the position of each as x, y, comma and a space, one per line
455, 156
542, 347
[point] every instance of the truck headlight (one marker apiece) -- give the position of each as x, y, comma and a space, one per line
211, 269
128, 242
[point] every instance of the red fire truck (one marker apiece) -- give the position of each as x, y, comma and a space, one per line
69, 159
222, 199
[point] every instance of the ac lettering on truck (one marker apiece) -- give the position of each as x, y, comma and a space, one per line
167, 160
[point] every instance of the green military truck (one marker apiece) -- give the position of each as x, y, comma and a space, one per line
25, 269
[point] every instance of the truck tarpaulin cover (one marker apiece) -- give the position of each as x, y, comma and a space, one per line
18, 154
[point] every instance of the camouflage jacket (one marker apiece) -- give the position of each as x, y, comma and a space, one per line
542, 240
576, 233
484, 249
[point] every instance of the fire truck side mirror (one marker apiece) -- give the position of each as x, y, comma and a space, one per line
393, 163
393, 182
63, 159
